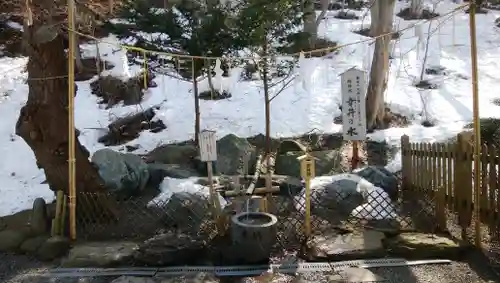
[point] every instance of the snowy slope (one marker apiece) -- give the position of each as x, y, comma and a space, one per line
295, 111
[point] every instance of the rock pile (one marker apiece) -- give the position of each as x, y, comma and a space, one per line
34, 237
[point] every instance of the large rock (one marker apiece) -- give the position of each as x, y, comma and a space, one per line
423, 245
380, 177
39, 220
327, 162
231, 151
173, 154
30, 246
123, 173
186, 211
11, 240
171, 249
333, 197
356, 245
337, 197
53, 248
102, 254
158, 172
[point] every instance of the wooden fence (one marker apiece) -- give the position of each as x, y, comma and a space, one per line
444, 173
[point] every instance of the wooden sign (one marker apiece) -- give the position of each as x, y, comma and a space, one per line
307, 168
353, 104
208, 146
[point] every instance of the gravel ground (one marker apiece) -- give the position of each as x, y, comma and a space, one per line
14, 269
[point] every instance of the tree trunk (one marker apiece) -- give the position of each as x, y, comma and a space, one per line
324, 10
43, 122
416, 8
310, 26
375, 108
374, 15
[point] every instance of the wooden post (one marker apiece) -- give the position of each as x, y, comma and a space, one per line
71, 120
477, 133
307, 169
213, 196
406, 162
145, 66
355, 155
208, 154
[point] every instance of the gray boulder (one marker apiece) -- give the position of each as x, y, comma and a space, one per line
186, 211
11, 240
231, 151
123, 173
380, 177
171, 248
332, 198
39, 218
53, 248
173, 154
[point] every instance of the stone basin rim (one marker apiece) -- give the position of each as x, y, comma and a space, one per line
272, 219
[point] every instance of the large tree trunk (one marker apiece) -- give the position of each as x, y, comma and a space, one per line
374, 15
43, 122
375, 108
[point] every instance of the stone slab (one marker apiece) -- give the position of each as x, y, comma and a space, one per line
100, 254
356, 245
424, 245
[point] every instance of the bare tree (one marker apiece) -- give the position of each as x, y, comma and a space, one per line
375, 107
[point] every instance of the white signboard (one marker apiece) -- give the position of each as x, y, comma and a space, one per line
208, 146
353, 104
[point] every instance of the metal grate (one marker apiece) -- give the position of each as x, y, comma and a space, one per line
247, 270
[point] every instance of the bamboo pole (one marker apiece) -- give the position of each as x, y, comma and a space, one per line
71, 120
477, 133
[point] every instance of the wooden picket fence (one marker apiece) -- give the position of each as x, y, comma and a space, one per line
444, 173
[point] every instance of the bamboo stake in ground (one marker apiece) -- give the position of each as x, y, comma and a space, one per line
477, 133
355, 155
208, 154
71, 120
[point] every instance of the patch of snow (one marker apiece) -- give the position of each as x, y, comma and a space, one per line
170, 186
14, 25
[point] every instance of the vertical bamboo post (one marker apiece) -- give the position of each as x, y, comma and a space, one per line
477, 133
145, 65
71, 119
307, 168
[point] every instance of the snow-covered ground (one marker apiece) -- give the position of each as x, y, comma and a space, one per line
295, 111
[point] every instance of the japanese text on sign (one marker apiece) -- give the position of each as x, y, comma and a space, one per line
353, 104
208, 146
308, 170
